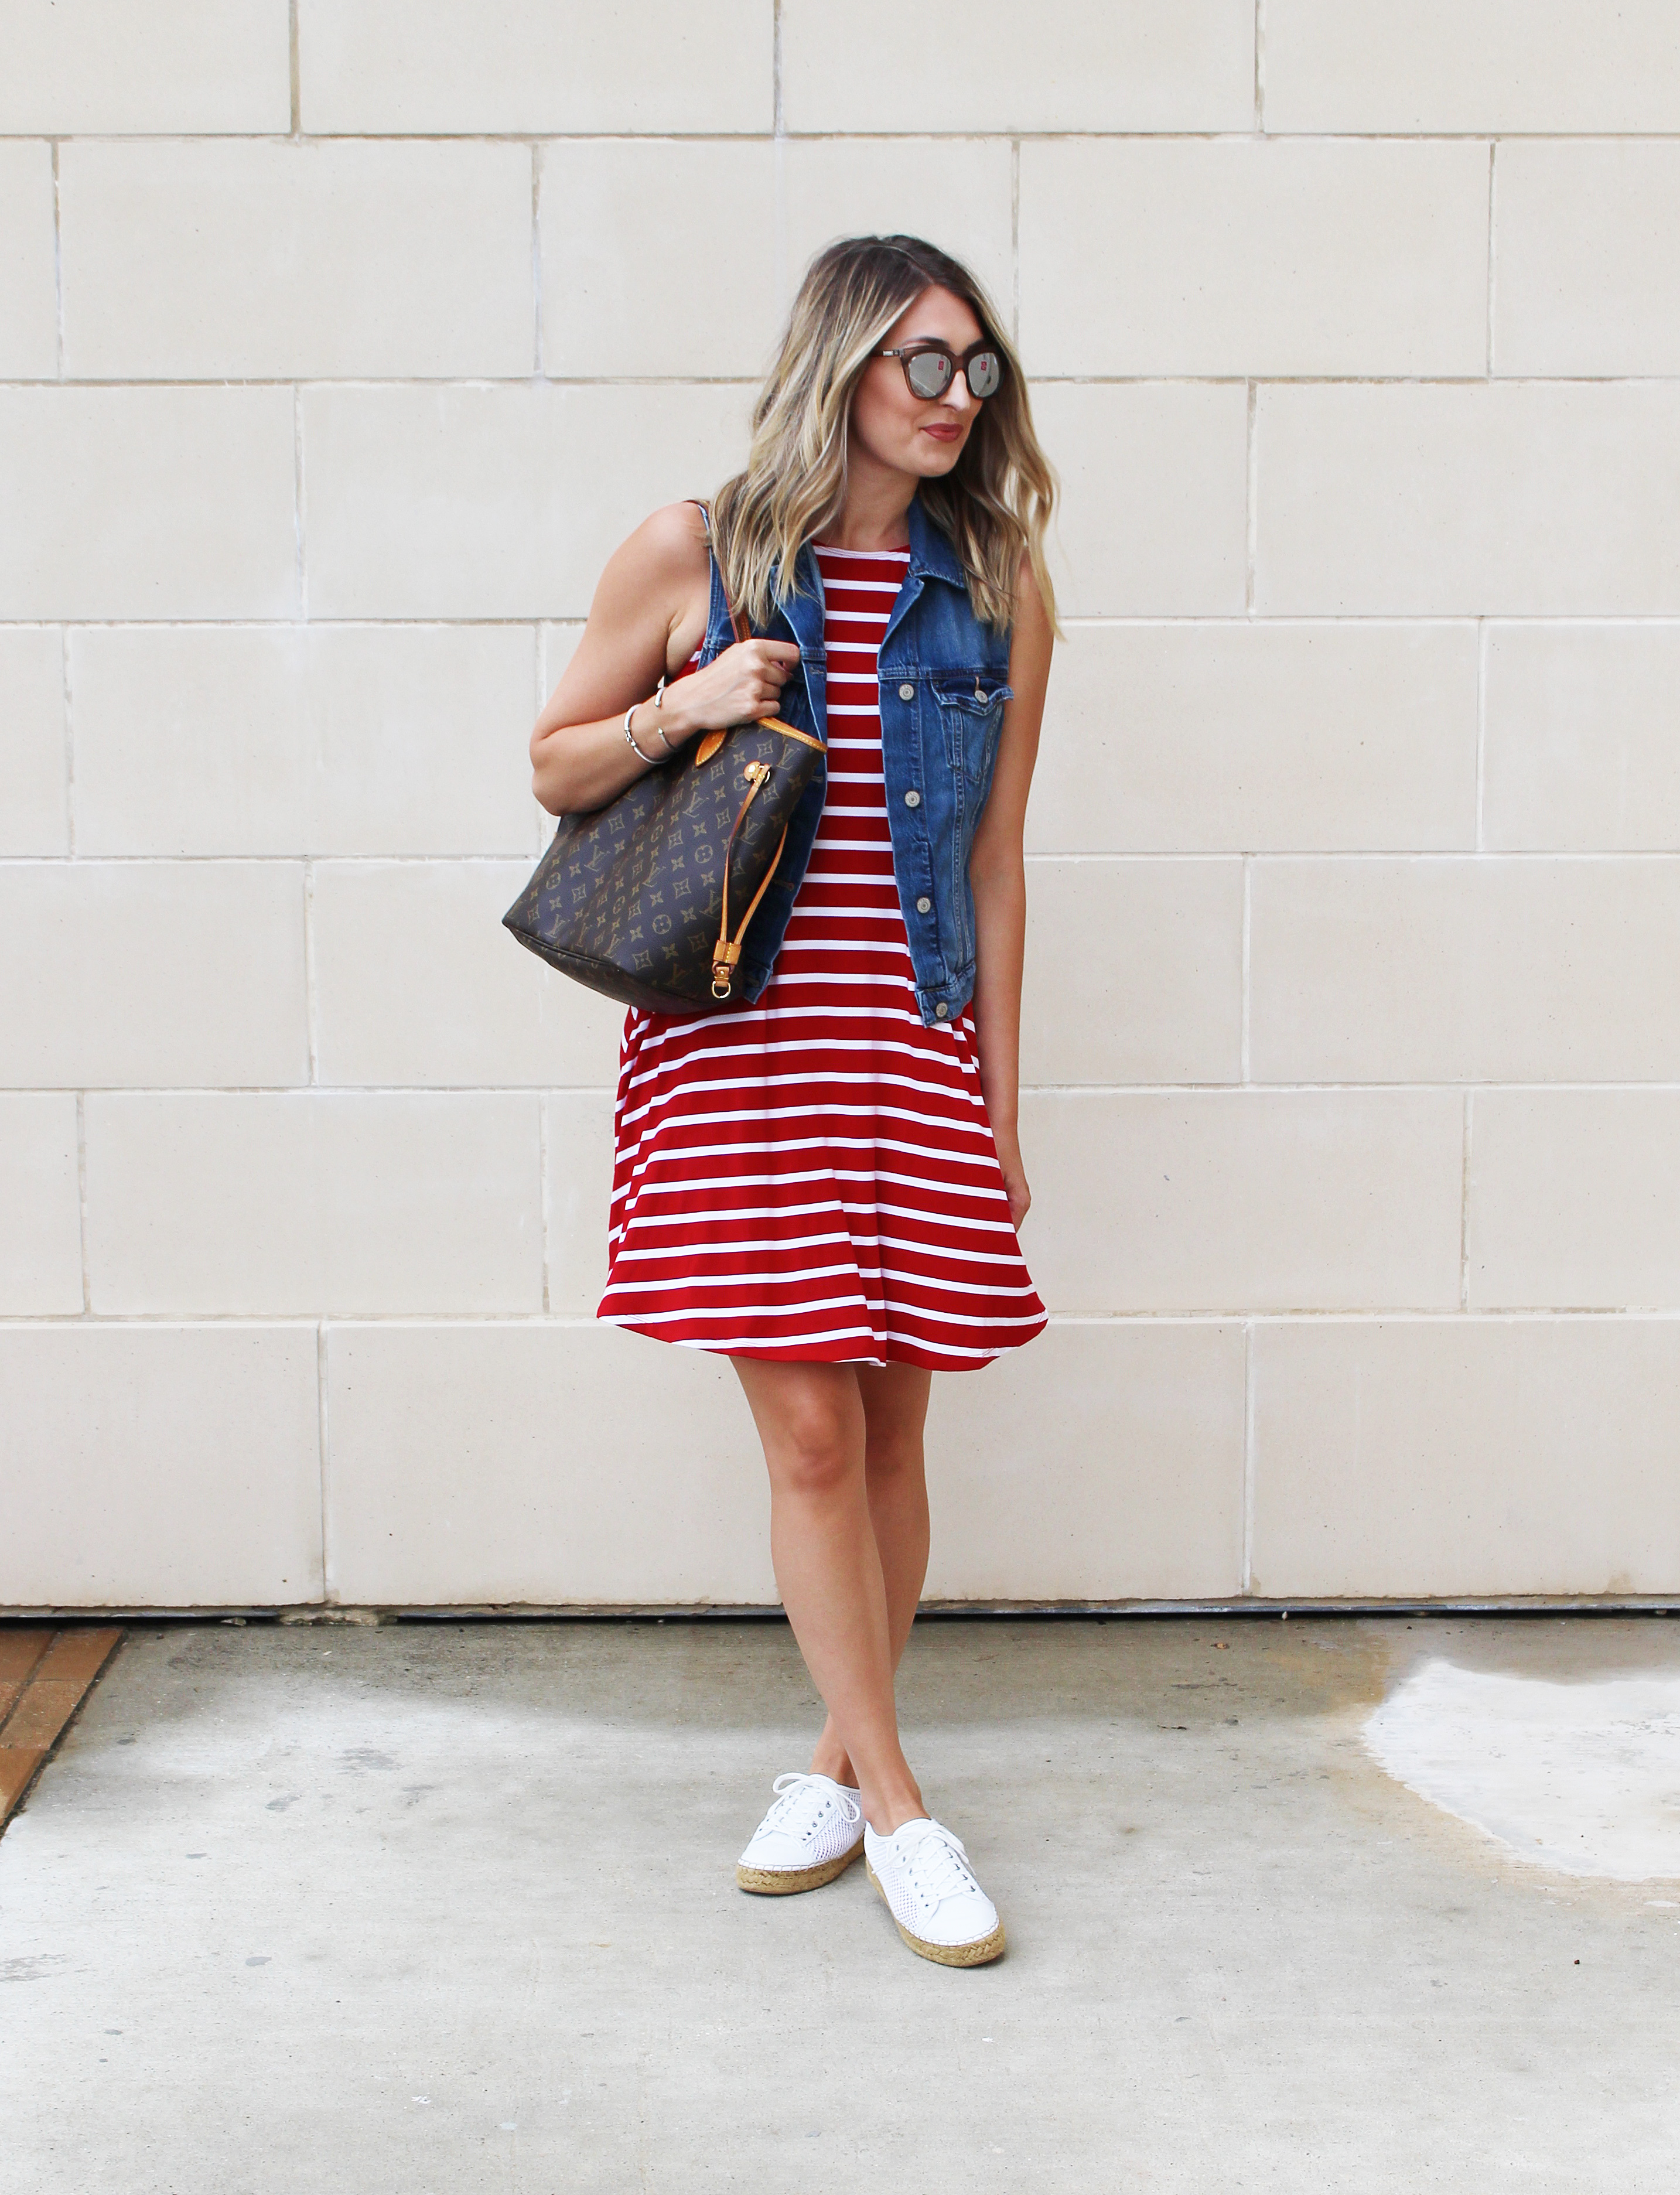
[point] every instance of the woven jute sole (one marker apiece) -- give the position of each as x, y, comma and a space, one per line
782, 1882
980, 1953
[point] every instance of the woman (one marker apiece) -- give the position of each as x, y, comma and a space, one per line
825, 1182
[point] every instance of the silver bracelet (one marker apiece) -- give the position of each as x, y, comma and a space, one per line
659, 721
652, 761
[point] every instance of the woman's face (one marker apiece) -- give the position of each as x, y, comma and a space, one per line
922, 436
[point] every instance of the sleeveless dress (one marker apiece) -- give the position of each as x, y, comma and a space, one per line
814, 1177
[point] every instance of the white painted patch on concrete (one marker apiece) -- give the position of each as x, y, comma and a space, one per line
1581, 1778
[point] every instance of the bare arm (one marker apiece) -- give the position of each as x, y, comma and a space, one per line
649, 615
998, 872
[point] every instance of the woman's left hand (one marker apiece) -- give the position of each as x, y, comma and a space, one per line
1015, 1174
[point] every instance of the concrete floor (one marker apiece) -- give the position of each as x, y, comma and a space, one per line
434, 1907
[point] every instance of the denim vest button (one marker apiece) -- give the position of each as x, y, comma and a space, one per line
942, 1011
924, 905
912, 799
906, 692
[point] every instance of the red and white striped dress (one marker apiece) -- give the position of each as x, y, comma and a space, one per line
815, 1177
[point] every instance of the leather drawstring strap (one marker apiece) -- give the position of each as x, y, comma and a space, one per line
727, 950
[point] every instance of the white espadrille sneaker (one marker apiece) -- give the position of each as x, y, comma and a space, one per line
922, 1873
810, 1835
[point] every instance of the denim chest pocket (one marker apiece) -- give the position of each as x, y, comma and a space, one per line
971, 715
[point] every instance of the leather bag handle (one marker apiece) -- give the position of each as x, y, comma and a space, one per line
738, 625
710, 742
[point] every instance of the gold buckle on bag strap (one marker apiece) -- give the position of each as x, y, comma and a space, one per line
727, 951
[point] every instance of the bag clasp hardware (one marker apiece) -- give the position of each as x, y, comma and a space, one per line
727, 950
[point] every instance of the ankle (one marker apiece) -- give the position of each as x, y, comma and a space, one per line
835, 1766
887, 1810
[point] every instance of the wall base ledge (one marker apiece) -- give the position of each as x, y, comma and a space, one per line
329, 1612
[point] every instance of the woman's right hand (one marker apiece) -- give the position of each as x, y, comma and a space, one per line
739, 687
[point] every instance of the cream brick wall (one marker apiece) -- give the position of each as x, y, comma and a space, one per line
340, 340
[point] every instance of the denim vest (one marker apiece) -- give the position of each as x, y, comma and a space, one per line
943, 686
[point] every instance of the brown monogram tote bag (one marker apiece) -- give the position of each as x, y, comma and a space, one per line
650, 898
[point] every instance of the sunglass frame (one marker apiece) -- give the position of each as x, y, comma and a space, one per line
908, 353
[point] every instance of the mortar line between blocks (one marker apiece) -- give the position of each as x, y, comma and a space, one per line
365, 134
310, 1002
81, 1198
1251, 512
1015, 241
1463, 1207
58, 271
782, 273
1492, 158
1095, 621
1248, 1456
1070, 1093
1260, 67
543, 1193
328, 1584
1248, 900
294, 69
584, 1321
1480, 730
1156, 378
537, 365
69, 740
299, 569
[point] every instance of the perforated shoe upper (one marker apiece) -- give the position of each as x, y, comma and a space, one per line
929, 1886
813, 1819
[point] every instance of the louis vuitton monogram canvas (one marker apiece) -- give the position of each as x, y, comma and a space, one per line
627, 899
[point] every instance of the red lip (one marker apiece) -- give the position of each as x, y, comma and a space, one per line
943, 434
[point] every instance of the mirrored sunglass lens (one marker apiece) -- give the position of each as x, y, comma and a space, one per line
930, 372
986, 373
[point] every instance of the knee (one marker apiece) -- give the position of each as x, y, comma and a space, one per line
891, 1457
817, 1451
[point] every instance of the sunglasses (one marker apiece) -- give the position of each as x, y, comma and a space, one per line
930, 369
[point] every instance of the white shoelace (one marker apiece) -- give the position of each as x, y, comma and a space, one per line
791, 1787
938, 1867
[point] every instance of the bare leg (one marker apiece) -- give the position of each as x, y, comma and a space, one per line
811, 1419
895, 1409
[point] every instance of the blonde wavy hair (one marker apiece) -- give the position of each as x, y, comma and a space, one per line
993, 505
